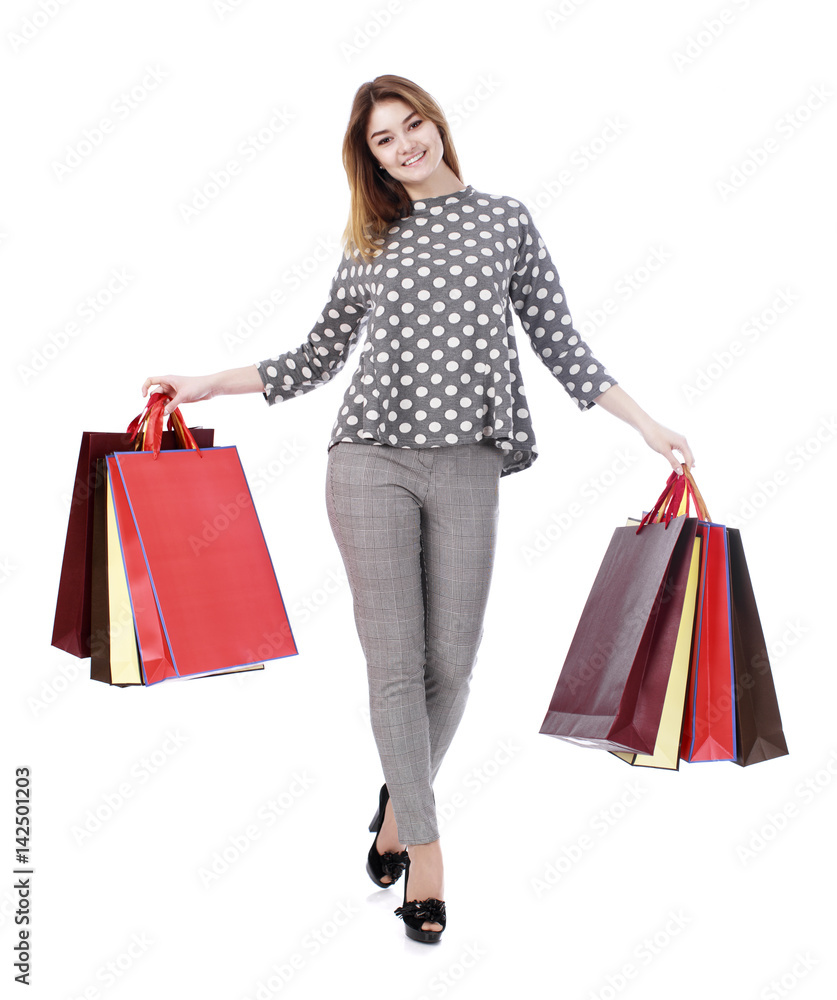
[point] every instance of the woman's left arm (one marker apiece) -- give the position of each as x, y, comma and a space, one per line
616, 401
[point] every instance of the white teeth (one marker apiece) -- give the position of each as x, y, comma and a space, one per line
414, 158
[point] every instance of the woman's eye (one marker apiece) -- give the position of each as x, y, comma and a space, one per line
418, 121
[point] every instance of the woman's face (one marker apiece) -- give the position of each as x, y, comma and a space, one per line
408, 146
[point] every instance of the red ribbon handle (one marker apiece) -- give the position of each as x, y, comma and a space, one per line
670, 500
147, 427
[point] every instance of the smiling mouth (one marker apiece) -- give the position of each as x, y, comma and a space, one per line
414, 159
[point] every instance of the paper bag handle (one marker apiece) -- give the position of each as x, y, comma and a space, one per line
675, 500
147, 427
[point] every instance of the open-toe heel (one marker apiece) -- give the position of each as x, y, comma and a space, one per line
390, 863
414, 914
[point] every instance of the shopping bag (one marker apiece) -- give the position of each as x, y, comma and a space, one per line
204, 593
99, 616
123, 651
125, 657
666, 753
612, 687
71, 626
709, 729
118, 657
759, 733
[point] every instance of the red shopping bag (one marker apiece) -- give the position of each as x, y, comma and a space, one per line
709, 725
203, 588
71, 626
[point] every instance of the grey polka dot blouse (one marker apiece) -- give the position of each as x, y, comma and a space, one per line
439, 365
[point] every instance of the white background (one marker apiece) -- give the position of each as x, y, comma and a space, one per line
529, 88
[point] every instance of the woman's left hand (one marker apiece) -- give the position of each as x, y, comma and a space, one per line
663, 440
616, 401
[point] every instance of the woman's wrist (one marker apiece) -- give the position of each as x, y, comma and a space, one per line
236, 380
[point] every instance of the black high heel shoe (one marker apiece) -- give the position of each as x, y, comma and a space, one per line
390, 863
420, 910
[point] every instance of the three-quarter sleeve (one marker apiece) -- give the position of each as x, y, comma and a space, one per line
538, 298
328, 345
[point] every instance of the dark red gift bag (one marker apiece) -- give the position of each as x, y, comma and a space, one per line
612, 686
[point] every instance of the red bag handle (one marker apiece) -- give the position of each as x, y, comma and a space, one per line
670, 502
147, 427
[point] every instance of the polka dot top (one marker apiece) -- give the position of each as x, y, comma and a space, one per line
439, 365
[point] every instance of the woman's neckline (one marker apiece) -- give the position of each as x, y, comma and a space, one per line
421, 204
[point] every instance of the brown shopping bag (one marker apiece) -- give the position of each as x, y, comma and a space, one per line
759, 732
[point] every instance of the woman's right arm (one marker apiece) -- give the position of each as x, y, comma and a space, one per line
191, 388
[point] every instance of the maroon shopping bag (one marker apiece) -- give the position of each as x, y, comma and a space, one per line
613, 683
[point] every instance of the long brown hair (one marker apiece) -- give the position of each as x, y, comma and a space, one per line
377, 199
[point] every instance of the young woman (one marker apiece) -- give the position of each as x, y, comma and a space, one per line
434, 415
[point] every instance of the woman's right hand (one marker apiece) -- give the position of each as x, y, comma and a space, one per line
181, 388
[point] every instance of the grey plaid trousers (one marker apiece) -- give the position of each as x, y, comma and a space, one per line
416, 529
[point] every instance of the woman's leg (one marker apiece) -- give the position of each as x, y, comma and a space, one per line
416, 530
373, 497
459, 530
